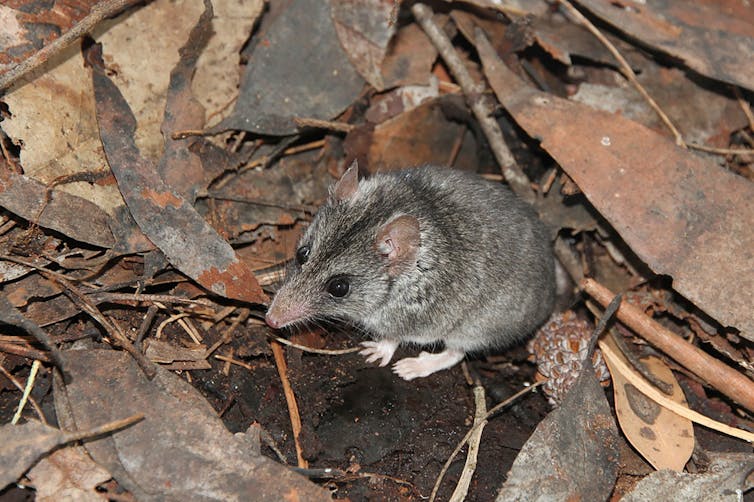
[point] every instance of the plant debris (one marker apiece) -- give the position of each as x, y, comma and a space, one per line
159, 162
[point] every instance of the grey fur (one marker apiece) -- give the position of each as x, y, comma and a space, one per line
484, 275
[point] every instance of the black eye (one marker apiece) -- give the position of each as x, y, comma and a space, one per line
302, 254
338, 287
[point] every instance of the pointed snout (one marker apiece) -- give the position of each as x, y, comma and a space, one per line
272, 320
283, 312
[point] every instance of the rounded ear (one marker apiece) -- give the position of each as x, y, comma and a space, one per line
398, 241
347, 185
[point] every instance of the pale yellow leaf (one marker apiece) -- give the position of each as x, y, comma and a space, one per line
663, 438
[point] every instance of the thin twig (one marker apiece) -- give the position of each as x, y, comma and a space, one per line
716, 373
24, 351
104, 429
20, 387
188, 328
302, 122
327, 352
234, 361
11, 315
465, 439
457, 144
118, 337
290, 399
744, 106
100, 11
101, 297
146, 323
228, 335
41, 269
549, 181
475, 97
462, 488
625, 69
721, 151
291, 150
256, 202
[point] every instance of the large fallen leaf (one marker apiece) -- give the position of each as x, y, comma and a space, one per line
182, 450
683, 215
169, 221
726, 479
572, 454
665, 439
179, 167
52, 111
714, 38
296, 68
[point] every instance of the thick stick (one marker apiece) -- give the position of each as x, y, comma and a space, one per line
717, 374
475, 98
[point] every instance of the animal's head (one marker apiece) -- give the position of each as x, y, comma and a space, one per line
348, 257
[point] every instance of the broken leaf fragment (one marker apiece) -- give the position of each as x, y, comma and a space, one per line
169, 221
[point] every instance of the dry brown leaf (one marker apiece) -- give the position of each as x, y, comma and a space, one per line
716, 39
364, 28
67, 474
182, 450
52, 119
162, 352
422, 135
53, 115
683, 215
664, 439
158, 29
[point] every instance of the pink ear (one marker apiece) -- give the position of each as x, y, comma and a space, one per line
347, 185
398, 241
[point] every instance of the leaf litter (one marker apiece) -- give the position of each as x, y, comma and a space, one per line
153, 195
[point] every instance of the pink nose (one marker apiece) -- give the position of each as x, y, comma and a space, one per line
271, 321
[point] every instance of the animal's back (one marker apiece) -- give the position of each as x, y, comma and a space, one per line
485, 271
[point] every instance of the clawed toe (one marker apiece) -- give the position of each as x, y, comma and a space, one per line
382, 351
411, 367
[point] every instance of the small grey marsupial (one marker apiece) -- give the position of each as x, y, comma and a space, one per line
422, 255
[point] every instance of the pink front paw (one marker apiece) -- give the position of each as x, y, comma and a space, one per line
382, 351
